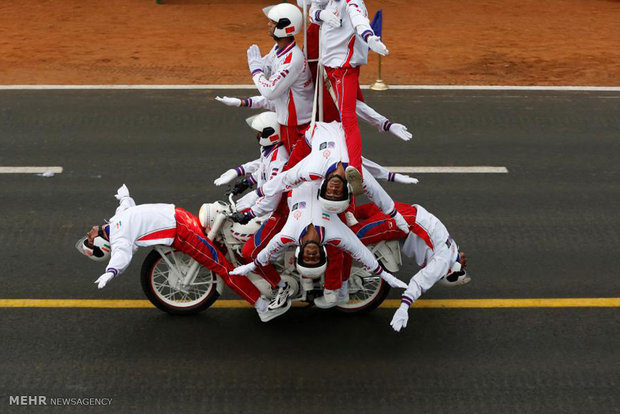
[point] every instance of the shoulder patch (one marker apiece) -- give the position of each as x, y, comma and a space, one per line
288, 59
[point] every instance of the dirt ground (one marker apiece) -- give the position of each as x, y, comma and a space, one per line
478, 42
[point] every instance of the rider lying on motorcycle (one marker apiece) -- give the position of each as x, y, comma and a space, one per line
309, 224
146, 225
428, 242
326, 162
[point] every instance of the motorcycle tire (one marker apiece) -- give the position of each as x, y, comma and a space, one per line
153, 262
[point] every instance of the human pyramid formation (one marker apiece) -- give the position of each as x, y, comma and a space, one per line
306, 178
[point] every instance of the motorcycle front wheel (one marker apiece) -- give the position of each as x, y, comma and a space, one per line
163, 287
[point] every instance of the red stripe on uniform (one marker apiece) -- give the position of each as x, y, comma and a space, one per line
159, 234
421, 233
350, 53
292, 112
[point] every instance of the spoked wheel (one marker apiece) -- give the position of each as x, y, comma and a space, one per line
366, 292
165, 287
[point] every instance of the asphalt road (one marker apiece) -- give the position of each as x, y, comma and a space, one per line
547, 229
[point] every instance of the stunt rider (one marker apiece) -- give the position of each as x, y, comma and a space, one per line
345, 38
310, 227
428, 242
282, 76
326, 163
146, 225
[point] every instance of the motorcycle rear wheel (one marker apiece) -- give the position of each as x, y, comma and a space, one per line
366, 292
156, 278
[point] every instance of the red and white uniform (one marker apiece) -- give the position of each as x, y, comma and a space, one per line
343, 46
343, 51
305, 209
146, 225
428, 242
272, 160
328, 148
290, 88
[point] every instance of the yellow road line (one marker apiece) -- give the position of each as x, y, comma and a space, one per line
387, 304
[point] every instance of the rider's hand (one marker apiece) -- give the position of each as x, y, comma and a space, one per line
255, 61
392, 281
401, 223
404, 179
243, 270
400, 318
329, 18
104, 279
229, 101
240, 186
225, 178
400, 131
241, 218
376, 45
122, 192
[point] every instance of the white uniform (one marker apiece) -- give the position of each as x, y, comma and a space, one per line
138, 226
270, 163
305, 209
345, 45
434, 250
289, 86
328, 149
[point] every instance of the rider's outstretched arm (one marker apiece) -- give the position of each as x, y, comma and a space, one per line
382, 173
382, 123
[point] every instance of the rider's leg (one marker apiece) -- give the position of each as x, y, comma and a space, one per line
261, 238
191, 239
345, 83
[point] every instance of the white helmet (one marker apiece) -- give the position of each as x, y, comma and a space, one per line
267, 124
100, 249
208, 212
335, 206
456, 276
288, 19
311, 271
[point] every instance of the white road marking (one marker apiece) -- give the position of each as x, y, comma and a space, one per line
395, 87
458, 170
30, 170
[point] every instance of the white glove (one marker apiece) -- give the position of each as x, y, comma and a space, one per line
401, 223
400, 131
243, 270
225, 178
255, 61
104, 279
392, 281
330, 18
404, 179
122, 192
400, 318
376, 45
229, 101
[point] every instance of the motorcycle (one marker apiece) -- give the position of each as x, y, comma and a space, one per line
177, 284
